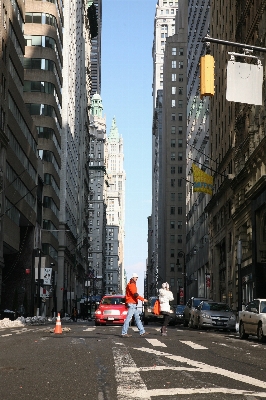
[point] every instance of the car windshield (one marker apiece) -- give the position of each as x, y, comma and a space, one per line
196, 302
113, 300
215, 307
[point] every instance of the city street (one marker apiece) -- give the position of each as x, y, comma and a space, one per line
96, 363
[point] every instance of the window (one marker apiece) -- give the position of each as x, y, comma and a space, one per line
180, 142
179, 239
180, 64
161, 76
180, 78
173, 130
174, 51
172, 267
180, 130
179, 210
172, 224
172, 210
181, 51
172, 142
179, 196
179, 182
172, 253
179, 169
172, 196
180, 156
174, 90
179, 224
180, 117
173, 103
173, 117
180, 90
180, 103
173, 77
172, 182
172, 170
173, 64
172, 238
172, 156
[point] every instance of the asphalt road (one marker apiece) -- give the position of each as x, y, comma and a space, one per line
96, 363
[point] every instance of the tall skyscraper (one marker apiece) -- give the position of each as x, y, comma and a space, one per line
164, 26
97, 188
197, 257
115, 195
95, 12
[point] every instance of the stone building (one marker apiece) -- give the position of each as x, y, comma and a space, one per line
20, 212
173, 148
115, 195
237, 210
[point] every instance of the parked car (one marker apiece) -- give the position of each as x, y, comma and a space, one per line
179, 313
211, 314
148, 315
112, 310
189, 309
252, 321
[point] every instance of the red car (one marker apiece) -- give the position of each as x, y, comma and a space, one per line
112, 310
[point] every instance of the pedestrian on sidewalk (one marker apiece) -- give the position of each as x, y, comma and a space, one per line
165, 295
132, 298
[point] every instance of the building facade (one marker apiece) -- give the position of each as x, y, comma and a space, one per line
173, 177
237, 208
164, 26
97, 203
18, 168
115, 195
197, 255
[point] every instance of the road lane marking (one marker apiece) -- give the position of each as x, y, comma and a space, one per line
89, 329
205, 368
8, 334
156, 343
128, 385
193, 345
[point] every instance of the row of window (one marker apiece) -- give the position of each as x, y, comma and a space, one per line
43, 109
43, 41
16, 147
179, 169
21, 122
49, 180
48, 133
42, 87
42, 18
43, 64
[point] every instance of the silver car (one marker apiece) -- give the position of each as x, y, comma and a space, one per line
211, 314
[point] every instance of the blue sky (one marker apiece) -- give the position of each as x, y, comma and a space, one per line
127, 37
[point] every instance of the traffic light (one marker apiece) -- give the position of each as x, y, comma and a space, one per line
206, 76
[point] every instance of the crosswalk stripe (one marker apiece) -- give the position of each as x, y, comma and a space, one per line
193, 345
156, 343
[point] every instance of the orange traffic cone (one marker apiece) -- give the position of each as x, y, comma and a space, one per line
58, 327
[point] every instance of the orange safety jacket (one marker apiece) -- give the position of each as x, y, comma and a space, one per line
132, 295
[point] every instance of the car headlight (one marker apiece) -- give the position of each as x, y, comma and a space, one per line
98, 312
233, 317
124, 313
149, 309
205, 316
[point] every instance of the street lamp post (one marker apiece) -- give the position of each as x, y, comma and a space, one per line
239, 259
182, 254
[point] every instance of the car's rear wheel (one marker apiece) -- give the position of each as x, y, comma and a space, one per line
242, 333
261, 337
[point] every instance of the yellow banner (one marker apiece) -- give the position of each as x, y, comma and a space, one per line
202, 182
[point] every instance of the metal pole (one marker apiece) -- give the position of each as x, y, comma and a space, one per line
39, 285
239, 259
235, 44
185, 279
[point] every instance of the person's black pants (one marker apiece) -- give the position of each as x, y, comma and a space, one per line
166, 318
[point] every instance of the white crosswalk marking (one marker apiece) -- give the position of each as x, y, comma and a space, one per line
193, 345
128, 385
156, 343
